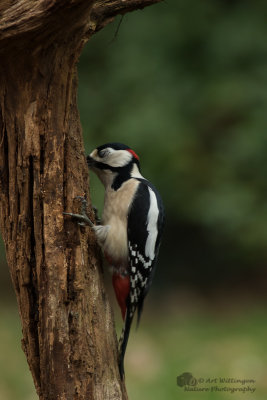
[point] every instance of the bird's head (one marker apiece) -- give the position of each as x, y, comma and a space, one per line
114, 161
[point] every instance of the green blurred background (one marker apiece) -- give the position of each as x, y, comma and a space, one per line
184, 83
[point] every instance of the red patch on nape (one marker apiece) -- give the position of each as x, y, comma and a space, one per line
121, 285
133, 153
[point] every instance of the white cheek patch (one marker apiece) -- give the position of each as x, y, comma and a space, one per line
114, 158
119, 158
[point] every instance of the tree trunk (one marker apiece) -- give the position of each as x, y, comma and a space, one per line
68, 329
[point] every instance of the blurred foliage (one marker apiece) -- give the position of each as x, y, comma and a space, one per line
184, 83
207, 342
15, 379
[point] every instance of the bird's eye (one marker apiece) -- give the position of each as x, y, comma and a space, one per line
103, 153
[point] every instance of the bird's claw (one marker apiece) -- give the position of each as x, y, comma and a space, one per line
97, 219
82, 218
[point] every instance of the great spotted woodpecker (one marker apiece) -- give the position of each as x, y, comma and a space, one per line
130, 230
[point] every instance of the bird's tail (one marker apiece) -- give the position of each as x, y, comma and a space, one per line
124, 339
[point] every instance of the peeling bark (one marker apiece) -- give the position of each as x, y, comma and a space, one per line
67, 323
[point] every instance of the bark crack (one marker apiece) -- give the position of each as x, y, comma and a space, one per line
32, 285
5, 172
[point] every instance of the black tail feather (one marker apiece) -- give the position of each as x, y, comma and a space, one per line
139, 311
124, 340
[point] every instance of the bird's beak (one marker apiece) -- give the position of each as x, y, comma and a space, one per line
90, 161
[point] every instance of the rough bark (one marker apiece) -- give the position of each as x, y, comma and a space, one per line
67, 324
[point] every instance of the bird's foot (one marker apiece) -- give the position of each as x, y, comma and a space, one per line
97, 219
82, 218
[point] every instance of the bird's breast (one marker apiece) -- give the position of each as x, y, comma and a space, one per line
116, 208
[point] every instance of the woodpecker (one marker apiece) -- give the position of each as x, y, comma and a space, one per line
130, 230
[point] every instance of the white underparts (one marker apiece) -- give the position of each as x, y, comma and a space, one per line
101, 232
113, 233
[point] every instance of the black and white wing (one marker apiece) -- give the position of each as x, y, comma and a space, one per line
145, 225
